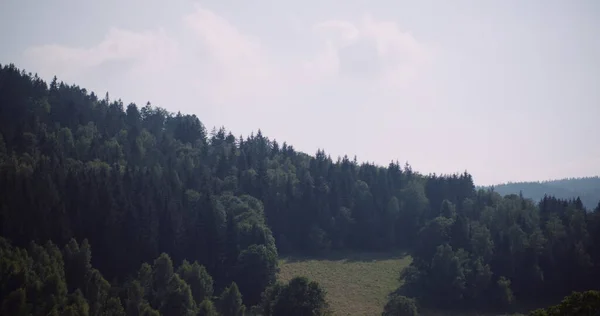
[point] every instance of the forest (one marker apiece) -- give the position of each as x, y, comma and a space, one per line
183, 221
587, 189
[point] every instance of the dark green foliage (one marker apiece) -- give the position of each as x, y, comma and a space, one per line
493, 252
135, 296
255, 271
15, 303
399, 305
200, 282
577, 304
114, 307
299, 297
504, 296
230, 302
269, 298
207, 308
178, 300
146, 310
77, 264
33, 282
162, 273
77, 305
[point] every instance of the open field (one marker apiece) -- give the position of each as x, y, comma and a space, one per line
356, 283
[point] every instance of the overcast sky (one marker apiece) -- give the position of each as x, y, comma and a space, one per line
508, 90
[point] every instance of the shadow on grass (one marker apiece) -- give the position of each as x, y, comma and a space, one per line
348, 256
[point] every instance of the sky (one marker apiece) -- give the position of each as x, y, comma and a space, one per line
507, 90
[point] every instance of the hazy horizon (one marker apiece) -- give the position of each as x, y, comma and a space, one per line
506, 90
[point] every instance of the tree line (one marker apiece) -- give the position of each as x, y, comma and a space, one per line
138, 183
587, 189
45, 280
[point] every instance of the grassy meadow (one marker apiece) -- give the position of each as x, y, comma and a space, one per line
356, 283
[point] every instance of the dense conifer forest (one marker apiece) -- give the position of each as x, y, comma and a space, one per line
109, 208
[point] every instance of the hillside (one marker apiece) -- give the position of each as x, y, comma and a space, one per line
113, 209
587, 189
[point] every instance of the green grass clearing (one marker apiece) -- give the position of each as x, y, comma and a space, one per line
356, 283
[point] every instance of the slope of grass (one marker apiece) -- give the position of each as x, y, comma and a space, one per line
356, 283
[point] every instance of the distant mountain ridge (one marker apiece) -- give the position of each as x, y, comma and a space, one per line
587, 189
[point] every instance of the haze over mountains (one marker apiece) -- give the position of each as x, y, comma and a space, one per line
587, 189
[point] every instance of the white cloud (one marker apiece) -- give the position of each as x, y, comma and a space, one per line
234, 66
346, 30
376, 47
239, 63
148, 52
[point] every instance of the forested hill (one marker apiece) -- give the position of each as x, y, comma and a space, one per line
113, 209
587, 189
